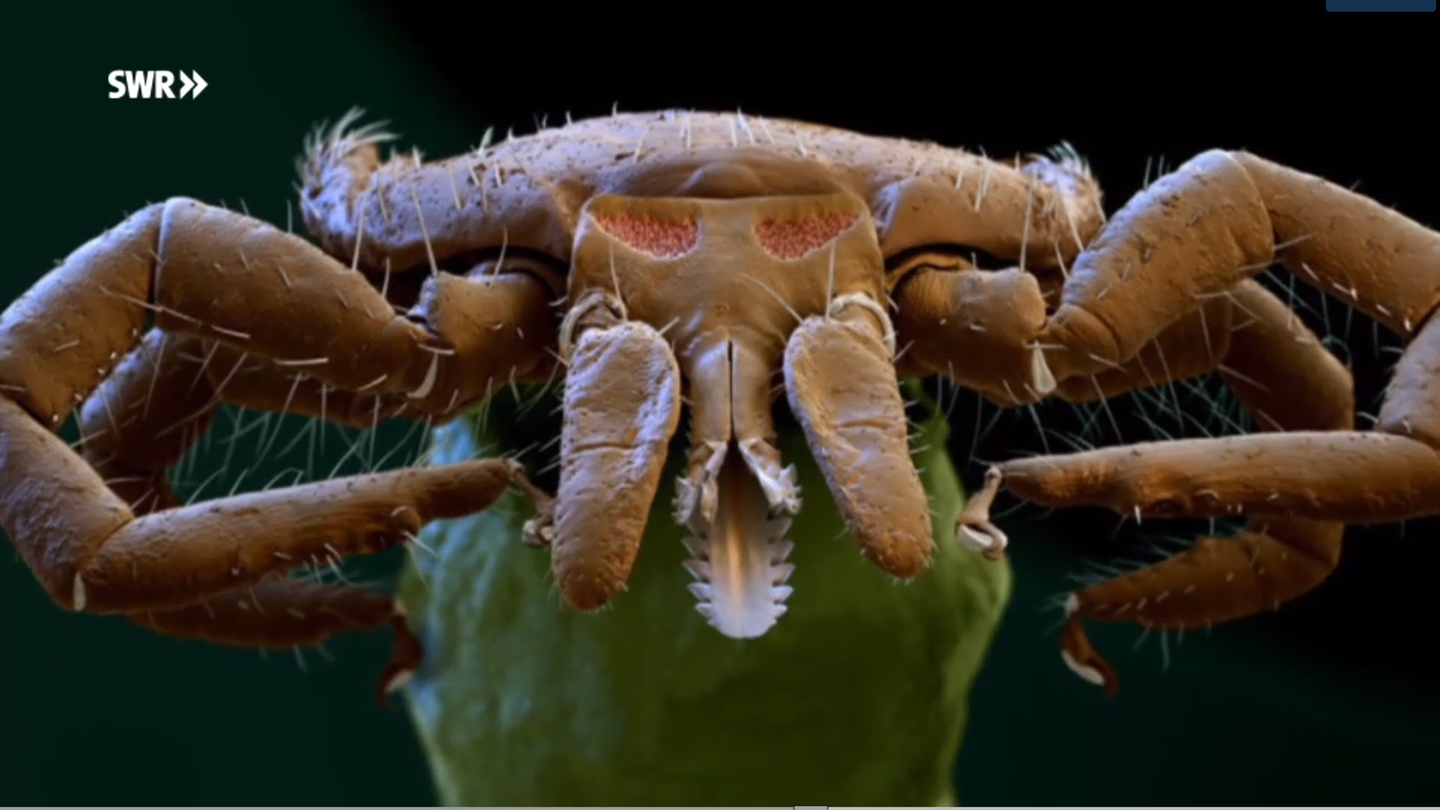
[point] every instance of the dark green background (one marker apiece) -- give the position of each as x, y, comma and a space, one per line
1332, 702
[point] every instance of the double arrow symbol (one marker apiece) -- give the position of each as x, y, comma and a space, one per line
155, 84
186, 83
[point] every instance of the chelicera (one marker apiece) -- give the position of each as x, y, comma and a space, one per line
715, 262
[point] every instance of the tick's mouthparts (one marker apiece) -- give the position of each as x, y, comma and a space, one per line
738, 552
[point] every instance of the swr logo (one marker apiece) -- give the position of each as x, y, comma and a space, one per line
141, 84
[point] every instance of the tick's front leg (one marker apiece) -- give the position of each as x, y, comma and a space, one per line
1222, 218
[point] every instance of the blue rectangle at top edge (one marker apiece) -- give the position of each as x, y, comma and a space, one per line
1379, 5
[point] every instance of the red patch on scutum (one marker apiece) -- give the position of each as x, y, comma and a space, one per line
661, 238
792, 238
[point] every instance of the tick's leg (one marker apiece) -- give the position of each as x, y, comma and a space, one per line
1284, 377
403, 214
284, 613
220, 276
500, 329
146, 414
1222, 218
149, 412
977, 328
217, 275
92, 553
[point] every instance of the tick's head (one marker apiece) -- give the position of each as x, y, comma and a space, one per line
728, 304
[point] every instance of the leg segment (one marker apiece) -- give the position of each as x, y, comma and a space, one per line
92, 553
1217, 220
500, 329
975, 327
141, 420
286, 613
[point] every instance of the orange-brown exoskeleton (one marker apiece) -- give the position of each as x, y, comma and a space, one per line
696, 259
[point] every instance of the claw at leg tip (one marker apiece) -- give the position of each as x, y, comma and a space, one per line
973, 527
1079, 657
536, 533
1088, 674
989, 545
391, 684
397, 681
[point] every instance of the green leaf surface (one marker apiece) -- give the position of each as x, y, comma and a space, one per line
858, 696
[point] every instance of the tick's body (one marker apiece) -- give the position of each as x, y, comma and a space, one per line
710, 260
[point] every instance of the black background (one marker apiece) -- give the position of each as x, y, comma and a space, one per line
1330, 701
